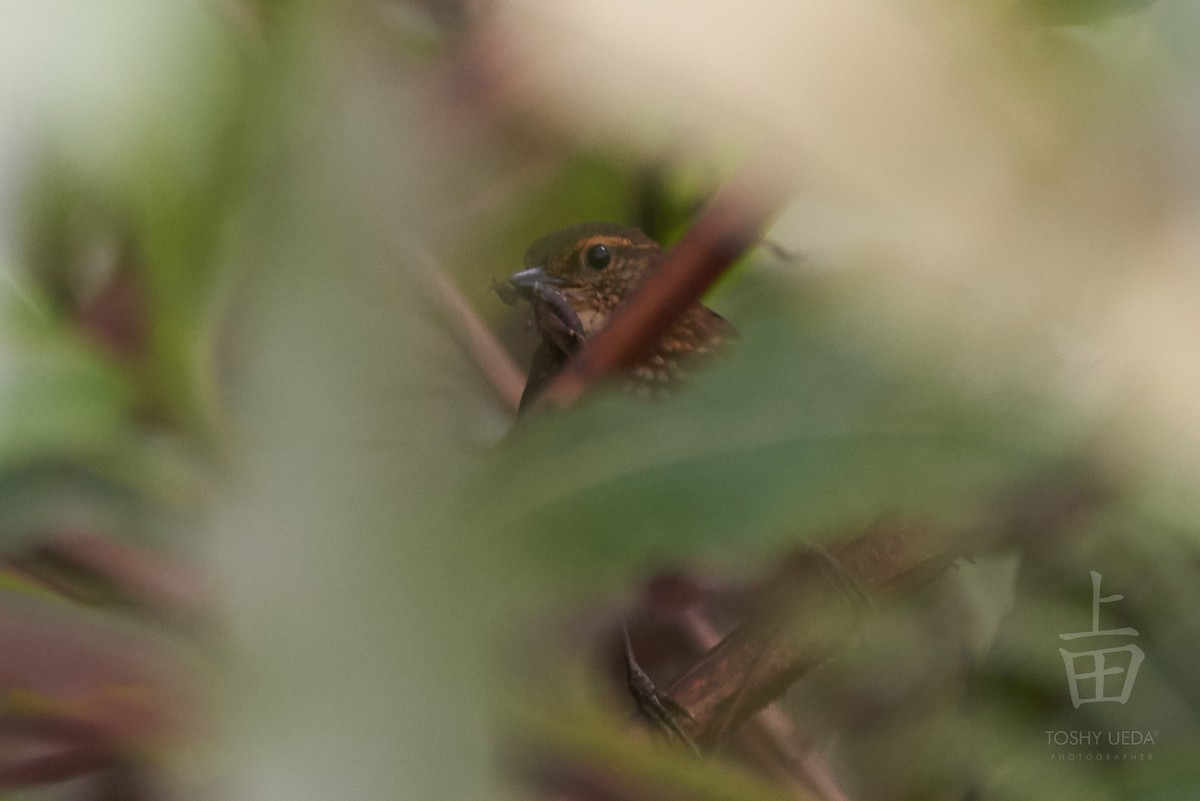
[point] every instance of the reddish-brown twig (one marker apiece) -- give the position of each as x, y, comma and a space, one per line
490, 356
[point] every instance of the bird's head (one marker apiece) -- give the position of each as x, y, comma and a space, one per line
605, 259
577, 277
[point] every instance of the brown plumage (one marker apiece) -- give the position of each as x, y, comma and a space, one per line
575, 278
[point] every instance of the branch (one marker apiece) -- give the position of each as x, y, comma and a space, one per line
809, 616
492, 359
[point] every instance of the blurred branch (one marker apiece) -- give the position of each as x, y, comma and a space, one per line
44, 751
83, 684
809, 613
491, 357
730, 225
775, 731
79, 564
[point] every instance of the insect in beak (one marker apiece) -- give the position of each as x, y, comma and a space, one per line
524, 281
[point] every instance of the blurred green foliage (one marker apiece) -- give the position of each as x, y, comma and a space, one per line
807, 438
304, 426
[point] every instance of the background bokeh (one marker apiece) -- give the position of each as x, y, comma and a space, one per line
319, 561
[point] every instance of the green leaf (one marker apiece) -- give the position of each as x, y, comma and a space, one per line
59, 397
797, 433
1080, 12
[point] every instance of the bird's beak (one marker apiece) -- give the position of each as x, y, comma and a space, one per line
525, 280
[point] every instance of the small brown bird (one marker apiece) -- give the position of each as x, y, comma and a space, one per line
575, 278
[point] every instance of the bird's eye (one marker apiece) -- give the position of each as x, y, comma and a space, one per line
597, 257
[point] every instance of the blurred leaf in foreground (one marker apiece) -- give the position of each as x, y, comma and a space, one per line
797, 433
